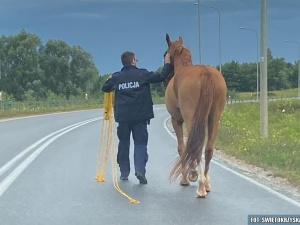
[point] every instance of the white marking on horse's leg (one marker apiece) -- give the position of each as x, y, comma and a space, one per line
207, 183
201, 192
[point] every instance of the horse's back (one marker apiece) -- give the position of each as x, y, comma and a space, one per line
190, 77
183, 92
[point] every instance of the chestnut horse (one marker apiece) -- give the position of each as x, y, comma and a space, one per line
196, 96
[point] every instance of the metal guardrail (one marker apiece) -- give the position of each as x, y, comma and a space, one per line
233, 100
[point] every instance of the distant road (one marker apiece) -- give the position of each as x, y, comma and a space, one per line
48, 165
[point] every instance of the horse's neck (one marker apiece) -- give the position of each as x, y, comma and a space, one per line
179, 63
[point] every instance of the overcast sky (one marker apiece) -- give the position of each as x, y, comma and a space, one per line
106, 28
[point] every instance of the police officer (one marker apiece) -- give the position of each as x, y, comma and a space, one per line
133, 109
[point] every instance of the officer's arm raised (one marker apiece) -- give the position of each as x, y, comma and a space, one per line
155, 77
108, 86
159, 77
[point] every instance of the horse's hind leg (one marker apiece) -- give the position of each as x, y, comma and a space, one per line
177, 125
204, 180
213, 123
201, 192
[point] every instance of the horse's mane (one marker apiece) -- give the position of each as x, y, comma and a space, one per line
182, 57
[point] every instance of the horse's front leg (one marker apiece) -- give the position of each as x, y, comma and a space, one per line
193, 173
177, 125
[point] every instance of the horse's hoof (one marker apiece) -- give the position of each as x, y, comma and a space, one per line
201, 195
201, 191
193, 175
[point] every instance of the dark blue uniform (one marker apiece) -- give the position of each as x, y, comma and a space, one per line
133, 109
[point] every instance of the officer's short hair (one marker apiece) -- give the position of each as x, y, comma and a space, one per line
127, 58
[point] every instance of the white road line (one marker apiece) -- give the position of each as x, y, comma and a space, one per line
8, 165
243, 176
18, 170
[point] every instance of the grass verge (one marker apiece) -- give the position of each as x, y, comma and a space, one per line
20, 109
239, 135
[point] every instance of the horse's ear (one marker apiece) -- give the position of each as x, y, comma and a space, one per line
180, 40
168, 40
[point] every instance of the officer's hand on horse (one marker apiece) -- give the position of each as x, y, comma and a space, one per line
167, 58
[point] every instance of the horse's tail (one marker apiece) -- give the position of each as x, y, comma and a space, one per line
196, 137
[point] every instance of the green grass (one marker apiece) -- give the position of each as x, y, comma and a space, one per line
18, 109
239, 135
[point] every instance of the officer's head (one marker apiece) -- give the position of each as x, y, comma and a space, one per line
128, 58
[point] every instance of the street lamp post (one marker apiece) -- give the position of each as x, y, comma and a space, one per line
264, 121
257, 74
298, 64
199, 30
219, 21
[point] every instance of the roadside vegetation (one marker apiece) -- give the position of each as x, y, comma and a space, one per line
10, 109
239, 136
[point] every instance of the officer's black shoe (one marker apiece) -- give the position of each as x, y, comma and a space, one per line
123, 178
141, 177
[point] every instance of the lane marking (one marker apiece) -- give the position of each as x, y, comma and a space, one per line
8, 165
4, 185
241, 175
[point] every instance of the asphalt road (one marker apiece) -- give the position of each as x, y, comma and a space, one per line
48, 165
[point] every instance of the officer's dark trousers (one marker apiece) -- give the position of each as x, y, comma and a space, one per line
140, 138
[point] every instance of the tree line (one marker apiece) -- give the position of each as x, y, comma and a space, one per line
242, 77
31, 70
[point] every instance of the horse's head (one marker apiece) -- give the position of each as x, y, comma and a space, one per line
179, 54
174, 47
